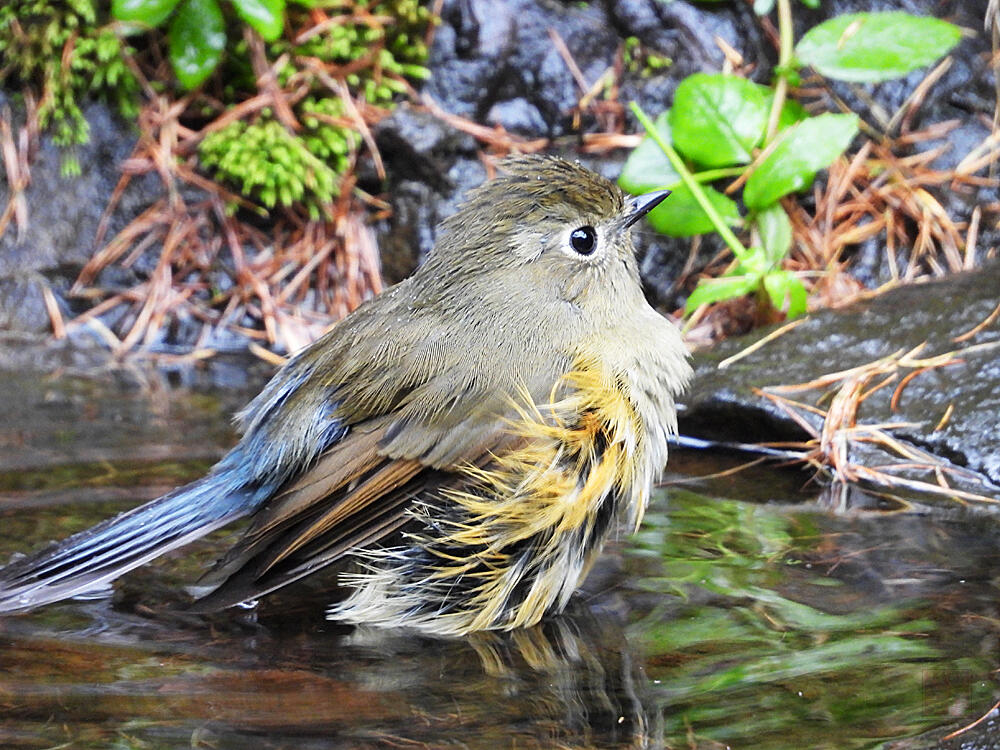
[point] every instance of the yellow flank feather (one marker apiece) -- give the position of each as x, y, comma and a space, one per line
537, 487
518, 539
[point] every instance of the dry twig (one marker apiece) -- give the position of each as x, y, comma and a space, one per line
831, 446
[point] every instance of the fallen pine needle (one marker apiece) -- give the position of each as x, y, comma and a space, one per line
988, 321
266, 354
761, 343
714, 475
945, 419
974, 724
55, 316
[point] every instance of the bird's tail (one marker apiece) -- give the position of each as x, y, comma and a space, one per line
92, 558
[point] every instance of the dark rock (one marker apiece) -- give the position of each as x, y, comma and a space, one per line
64, 212
487, 54
686, 31
418, 145
63, 217
983, 735
430, 166
517, 115
22, 306
723, 405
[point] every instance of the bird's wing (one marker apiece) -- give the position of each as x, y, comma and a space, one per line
351, 497
413, 412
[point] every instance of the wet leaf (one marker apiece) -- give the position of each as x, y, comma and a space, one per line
717, 120
681, 215
775, 233
197, 38
148, 12
716, 290
267, 17
782, 287
872, 47
647, 167
805, 149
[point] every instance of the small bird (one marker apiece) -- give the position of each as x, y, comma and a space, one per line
460, 446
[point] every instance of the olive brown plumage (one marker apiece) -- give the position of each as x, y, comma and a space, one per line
464, 442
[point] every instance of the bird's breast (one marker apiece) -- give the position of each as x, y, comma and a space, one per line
512, 539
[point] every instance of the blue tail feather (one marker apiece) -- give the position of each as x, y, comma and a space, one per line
93, 558
238, 486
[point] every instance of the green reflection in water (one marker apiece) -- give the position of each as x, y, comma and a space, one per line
741, 623
750, 647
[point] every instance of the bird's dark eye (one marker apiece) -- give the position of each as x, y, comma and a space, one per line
583, 240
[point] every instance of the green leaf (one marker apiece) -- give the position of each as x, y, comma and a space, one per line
775, 233
753, 263
197, 38
647, 167
872, 47
715, 290
681, 216
267, 17
717, 120
148, 12
797, 298
781, 287
804, 149
791, 111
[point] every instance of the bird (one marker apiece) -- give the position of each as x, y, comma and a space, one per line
458, 448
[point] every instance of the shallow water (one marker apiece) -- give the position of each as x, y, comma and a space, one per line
751, 611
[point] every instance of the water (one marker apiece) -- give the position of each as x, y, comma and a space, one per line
751, 611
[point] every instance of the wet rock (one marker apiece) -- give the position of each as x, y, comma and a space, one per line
430, 165
63, 216
686, 31
516, 115
22, 305
984, 735
498, 57
723, 404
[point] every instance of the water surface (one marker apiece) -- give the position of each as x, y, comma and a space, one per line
751, 611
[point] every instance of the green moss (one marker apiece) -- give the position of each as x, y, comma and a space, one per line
63, 51
396, 49
322, 134
639, 59
262, 158
271, 165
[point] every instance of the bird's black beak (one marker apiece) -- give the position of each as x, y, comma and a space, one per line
644, 204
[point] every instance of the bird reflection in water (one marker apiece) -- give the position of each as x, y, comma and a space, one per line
572, 679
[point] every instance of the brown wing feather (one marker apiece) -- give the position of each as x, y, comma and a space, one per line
415, 416
260, 574
372, 491
353, 496
337, 470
